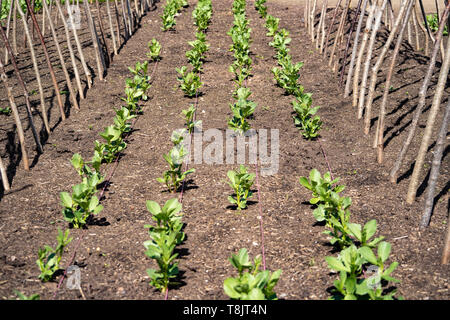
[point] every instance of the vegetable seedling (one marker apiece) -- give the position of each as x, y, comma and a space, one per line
252, 284
240, 181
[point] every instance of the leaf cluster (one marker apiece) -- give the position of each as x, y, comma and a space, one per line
49, 258
242, 109
173, 177
355, 241
164, 237
240, 181
251, 284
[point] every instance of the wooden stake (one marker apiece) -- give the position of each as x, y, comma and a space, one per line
25, 92
331, 27
354, 50
435, 166
443, 77
376, 68
111, 29
322, 16
63, 63
49, 64
373, 36
381, 119
361, 54
101, 67
422, 96
15, 113
87, 73
36, 69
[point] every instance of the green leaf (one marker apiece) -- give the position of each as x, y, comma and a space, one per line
384, 249
370, 228
367, 254
152, 206
229, 288
304, 182
335, 264
66, 199
355, 230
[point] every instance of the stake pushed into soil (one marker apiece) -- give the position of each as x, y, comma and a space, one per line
373, 37
16, 118
436, 164
25, 91
354, 50
47, 57
376, 68
422, 96
443, 77
381, 119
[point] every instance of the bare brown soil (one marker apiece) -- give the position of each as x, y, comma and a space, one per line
111, 255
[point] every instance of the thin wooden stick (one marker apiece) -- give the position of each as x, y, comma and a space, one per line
15, 113
343, 57
62, 62
14, 38
339, 32
387, 85
25, 92
101, 67
373, 36
322, 40
422, 96
36, 69
376, 68
322, 16
443, 77
416, 29
111, 29
87, 73
446, 251
47, 58
7, 27
435, 166
331, 27
355, 50
313, 14
117, 14
361, 54
102, 33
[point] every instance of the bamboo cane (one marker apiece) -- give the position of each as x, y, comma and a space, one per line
339, 32
313, 13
